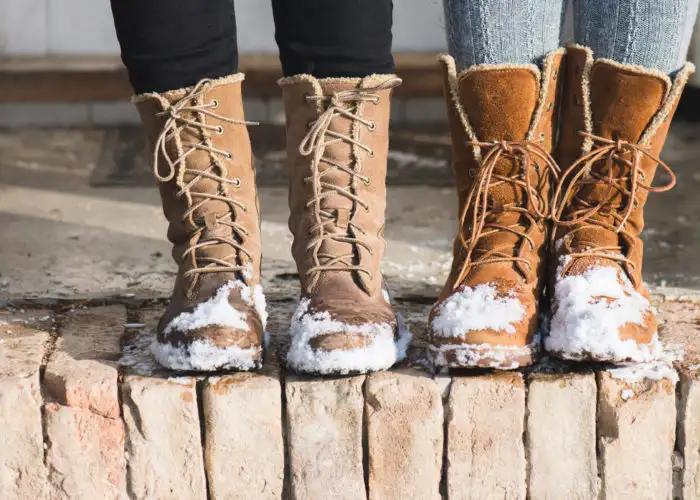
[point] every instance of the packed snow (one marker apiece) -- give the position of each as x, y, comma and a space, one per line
217, 311
477, 308
591, 309
202, 355
381, 351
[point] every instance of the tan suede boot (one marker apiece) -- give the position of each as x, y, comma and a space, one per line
204, 165
502, 123
337, 146
614, 122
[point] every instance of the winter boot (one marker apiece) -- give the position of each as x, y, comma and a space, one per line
502, 122
337, 146
204, 165
615, 119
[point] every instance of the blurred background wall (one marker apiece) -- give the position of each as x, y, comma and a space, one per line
71, 27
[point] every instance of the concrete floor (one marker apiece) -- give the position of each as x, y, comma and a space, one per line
61, 238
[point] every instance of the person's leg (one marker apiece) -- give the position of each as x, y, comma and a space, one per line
502, 31
172, 44
338, 38
337, 60
181, 58
650, 33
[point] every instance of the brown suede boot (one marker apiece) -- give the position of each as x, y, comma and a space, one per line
203, 162
337, 146
502, 123
615, 119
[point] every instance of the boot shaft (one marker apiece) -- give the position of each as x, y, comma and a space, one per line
614, 117
204, 164
337, 149
503, 122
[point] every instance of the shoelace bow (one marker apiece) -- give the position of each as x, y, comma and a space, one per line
477, 201
345, 103
611, 153
186, 114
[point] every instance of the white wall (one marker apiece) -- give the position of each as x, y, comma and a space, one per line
41, 27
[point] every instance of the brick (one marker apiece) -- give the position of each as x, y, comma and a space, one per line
561, 432
324, 436
405, 436
485, 424
85, 454
689, 434
244, 450
163, 439
82, 372
22, 347
636, 432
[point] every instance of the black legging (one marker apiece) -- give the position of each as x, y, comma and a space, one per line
170, 44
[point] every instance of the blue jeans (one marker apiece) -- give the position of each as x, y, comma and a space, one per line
650, 33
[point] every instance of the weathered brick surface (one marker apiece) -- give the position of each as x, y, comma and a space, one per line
636, 429
324, 436
689, 434
405, 436
561, 437
85, 454
82, 371
485, 452
163, 438
22, 346
244, 451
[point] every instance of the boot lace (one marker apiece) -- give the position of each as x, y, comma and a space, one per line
188, 115
627, 180
479, 210
346, 103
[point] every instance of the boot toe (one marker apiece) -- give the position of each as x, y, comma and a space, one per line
344, 342
599, 316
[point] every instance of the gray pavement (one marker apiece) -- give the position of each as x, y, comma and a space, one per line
62, 238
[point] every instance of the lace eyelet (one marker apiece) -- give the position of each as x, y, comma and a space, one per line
214, 103
554, 74
372, 126
367, 181
219, 130
549, 107
229, 156
236, 182
371, 154
577, 99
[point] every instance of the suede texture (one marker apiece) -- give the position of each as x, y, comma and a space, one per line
349, 296
618, 103
491, 104
182, 194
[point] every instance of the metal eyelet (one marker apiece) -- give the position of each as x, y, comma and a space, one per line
642, 176
236, 182
371, 154
229, 156
367, 181
577, 99
372, 126
549, 107
219, 130
214, 103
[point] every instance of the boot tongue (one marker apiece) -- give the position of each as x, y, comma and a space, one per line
500, 104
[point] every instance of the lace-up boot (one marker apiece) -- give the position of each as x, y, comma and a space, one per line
502, 123
615, 119
203, 162
337, 146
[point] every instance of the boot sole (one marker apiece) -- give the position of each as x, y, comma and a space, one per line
482, 356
